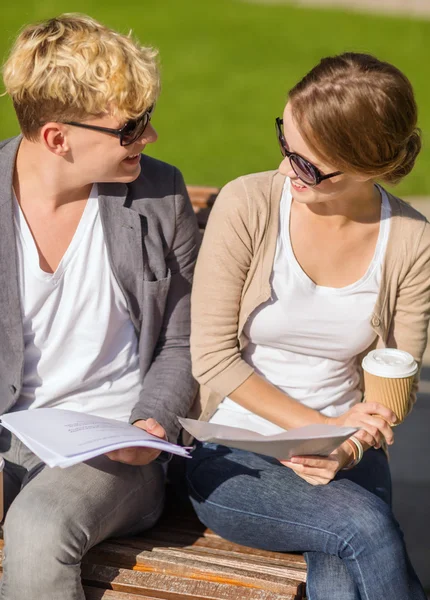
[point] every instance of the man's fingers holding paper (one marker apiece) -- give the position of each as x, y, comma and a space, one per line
136, 455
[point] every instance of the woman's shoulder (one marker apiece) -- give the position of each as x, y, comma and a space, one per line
406, 211
255, 185
411, 226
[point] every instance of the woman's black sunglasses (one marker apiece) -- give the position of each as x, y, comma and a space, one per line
128, 133
305, 170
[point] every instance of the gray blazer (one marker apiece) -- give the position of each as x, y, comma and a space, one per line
152, 239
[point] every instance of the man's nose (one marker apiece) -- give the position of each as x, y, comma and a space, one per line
149, 136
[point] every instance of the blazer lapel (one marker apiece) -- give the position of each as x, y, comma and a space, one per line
124, 235
11, 332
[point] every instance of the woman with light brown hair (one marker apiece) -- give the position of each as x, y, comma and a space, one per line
302, 271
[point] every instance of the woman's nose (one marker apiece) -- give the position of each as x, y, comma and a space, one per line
288, 169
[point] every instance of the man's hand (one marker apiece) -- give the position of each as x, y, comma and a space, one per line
320, 470
136, 455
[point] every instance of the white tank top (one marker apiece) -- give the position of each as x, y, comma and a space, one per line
81, 349
306, 338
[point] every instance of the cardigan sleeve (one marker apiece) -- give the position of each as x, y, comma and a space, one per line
411, 314
222, 267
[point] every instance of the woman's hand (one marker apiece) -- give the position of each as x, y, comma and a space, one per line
135, 455
373, 420
320, 470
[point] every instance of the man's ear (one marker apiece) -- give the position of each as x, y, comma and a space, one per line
55, 139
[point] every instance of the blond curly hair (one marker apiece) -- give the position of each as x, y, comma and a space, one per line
72, 67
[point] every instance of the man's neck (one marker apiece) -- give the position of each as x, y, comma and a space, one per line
41, 176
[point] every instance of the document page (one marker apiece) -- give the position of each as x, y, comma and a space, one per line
64, 437
310, 440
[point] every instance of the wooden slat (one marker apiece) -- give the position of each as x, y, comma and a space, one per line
214, 547
198, 565
93, 593
167, 587
180, 528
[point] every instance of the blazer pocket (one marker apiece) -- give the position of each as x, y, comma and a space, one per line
156, 286
153, 298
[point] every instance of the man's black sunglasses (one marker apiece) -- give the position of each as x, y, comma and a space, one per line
128, 133
305, 170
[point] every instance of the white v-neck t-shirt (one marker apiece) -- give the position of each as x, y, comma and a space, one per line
81, 349
306, 338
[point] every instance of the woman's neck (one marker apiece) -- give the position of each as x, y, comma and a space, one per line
363, 205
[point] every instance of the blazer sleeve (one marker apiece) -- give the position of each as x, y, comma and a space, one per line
411, 314
221, 272
169, 388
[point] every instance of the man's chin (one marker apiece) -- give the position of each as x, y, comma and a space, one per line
123, 178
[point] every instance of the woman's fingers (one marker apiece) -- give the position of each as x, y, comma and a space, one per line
366, 440
316, 462
376, 427
316, 470
374, 408
310, 474
374, 418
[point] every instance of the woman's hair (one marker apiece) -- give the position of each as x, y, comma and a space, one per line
358, 114
72, 67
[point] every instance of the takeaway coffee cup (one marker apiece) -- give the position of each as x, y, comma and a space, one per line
388, 377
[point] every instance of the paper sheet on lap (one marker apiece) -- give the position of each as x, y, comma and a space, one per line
63, 437
310, 440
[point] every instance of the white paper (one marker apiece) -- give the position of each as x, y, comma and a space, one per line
65, 437
310, 440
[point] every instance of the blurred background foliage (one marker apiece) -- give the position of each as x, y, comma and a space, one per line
227, 66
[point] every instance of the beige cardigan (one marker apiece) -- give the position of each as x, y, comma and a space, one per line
233, 273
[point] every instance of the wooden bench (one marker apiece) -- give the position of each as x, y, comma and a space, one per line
179, 559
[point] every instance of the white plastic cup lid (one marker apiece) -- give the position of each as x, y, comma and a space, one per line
390, 363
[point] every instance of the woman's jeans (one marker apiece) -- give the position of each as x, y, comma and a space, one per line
352, 543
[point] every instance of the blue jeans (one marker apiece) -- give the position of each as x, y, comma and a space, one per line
352, 543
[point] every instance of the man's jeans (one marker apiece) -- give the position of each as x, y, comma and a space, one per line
352, 543
57, 515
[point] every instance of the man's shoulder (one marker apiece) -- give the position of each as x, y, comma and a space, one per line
8, 149
9, 142
155, 166
157, 179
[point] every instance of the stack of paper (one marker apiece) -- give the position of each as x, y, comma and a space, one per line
61, 438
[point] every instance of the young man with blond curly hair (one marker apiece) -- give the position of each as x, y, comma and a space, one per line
97, 250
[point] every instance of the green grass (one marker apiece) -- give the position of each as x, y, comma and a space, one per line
227, 67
